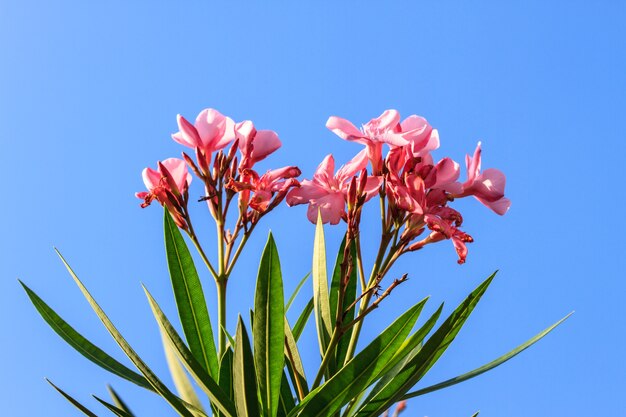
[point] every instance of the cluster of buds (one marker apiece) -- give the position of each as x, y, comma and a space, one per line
262, 193
225, 154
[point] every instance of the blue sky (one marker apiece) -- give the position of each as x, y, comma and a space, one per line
89, 92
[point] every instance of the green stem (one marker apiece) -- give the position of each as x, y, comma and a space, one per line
221, 314
220, 248
359, 262
244, 240
327, 355
205, 259
354, 338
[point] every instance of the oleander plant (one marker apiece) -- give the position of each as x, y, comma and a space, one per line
256, 369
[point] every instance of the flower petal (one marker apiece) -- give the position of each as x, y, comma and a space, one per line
344, 129
151, 178
307, 191
388, 120
178, 170
372, 186
352, 167
500, 206
325, 171
264, 143
331, 207
187, 134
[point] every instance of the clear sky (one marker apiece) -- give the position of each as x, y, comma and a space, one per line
89, 92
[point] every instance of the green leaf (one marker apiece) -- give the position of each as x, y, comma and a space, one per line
181, 380
156, 383
115, 410
218, 398
225, 380
303, 320
244, 375
269, 328
286, 402
74, 402
321, 302
189, 295
361, 370
416, 368
296, 291
349, 297
486, 367
294, 362
413, 343
475, 414
82, 345
231, 341
119, 403
409, 349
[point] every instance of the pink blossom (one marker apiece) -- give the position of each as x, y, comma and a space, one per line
211, 131
383, 129
487, 187
327, 192
168, 185
255, 145
445, 228
269, 189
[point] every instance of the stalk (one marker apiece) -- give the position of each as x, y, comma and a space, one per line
221, 314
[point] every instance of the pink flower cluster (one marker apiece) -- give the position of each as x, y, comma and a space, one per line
417, 190
229, 172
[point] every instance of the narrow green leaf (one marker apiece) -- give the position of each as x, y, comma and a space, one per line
269, 328
225, 380
349, 297
413, 343
360, 371
416, 368
156, 383
486, 367
296, 291
303, 320
218, 398
294, 362
231, 341
286, 402
475, 414
409, 349
181, 380
119, 403
115, 410
189, 296
74, 402
321, 302
82, 345
244, 375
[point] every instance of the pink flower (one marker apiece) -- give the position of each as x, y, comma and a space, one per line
211, 132
383, 129
255, 145
446, 228
328, 192
168, 185
487, 187
269, 189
